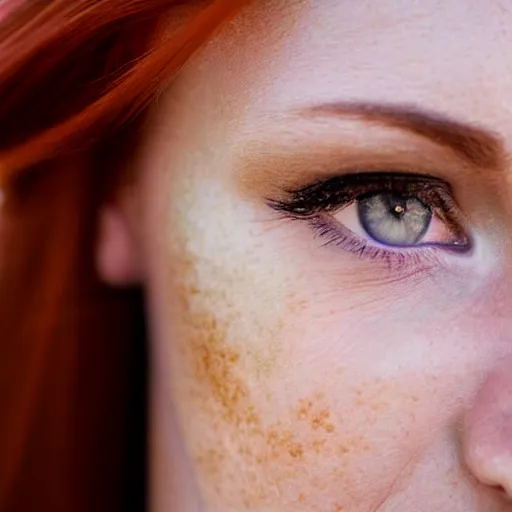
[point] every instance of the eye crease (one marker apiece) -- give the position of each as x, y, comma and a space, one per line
380, 215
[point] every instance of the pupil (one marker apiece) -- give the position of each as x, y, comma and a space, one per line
398, 208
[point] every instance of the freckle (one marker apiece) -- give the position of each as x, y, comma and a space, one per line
296, 451
318, 445
320, 421
304, 409
379, 406
302, 498
251, 417
194, 291
343, 449
272, 437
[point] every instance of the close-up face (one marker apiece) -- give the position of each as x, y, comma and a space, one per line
324, 202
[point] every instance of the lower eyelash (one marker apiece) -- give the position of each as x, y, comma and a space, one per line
338, 236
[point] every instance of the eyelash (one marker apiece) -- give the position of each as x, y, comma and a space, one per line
316, 203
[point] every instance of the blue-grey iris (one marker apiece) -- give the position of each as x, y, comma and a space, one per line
393, 219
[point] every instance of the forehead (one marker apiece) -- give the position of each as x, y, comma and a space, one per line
451, 55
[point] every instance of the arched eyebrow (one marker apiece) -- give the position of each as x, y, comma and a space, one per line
476, 145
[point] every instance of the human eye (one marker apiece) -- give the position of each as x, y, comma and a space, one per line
384, 215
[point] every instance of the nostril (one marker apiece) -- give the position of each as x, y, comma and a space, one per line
499, 489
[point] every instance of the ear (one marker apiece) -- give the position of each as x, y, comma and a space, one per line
117, 255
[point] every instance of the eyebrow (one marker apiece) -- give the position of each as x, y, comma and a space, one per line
476, 145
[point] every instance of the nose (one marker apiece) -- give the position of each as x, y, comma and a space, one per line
487, 435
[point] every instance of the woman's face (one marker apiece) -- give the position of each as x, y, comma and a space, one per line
326, 212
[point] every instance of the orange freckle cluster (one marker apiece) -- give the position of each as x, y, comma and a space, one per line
304, 409
318, 419
296, 451
281, 442
251, 463
215, 365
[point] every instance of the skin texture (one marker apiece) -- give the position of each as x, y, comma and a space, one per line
291, 376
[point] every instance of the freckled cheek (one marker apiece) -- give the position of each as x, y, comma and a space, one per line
288, 410
269, 420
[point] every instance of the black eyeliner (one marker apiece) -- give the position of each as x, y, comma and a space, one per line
336, 192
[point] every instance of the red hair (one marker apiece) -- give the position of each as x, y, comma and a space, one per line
76, 77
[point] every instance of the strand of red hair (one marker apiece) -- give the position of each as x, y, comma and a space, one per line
76, 77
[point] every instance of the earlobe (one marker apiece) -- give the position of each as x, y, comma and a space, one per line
117, 258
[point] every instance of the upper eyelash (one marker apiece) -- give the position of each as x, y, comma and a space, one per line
339, 191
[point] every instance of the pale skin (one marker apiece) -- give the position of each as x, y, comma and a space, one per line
289, 375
